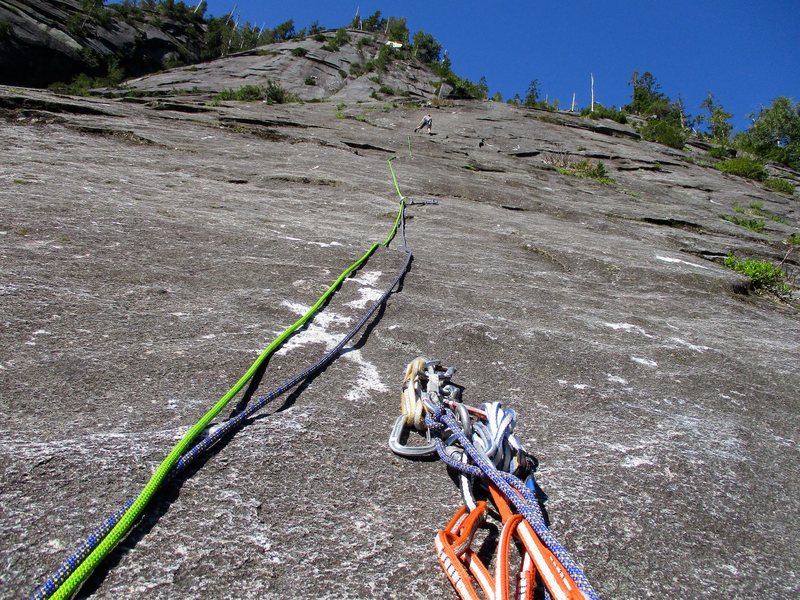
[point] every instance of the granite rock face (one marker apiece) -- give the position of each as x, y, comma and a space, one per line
151, 248
44, 41
307, 68
47, 41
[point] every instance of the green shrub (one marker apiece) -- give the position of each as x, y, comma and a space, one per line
337, 41
779, 185
388, 90
79, 86
601, 112
743, 167
272, 93
794, 239
82, 84
763, 274
359, 69
76, 24
664, 132
310, 81
299, 51
127, 10
114, 75
586, 170
756, 225
275, 94
103, 16
720, 152
463, 89
544, 105
174, 61
246, 93
5, 29
386, 56
757, 208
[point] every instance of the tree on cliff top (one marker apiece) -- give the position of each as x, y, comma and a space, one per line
426, 48
666, 120
719, 128
775, 133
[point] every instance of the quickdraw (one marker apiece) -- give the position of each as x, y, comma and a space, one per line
480, 444
413, 415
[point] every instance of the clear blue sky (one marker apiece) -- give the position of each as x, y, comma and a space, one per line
746, 52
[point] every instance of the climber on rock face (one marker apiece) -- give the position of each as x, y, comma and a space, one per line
426, 121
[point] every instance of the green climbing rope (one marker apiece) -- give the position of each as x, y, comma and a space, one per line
120, 530
397, 187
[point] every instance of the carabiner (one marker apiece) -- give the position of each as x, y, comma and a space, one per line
427, 449
452, 392
463, 418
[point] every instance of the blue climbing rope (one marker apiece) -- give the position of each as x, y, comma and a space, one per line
439, 420
53, 583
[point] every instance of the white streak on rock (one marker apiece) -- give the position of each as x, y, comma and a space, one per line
690, 346
644, 361
678, 260
368, 295
371, 279
731, 569
636, 461
322, 320
628, 327
368, 378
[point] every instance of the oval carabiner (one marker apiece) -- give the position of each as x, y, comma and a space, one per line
464, 419
406, 451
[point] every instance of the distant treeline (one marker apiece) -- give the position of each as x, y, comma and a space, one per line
774, 134
206, 38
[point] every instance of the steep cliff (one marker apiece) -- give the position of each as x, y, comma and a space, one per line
45, 41
151, 247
